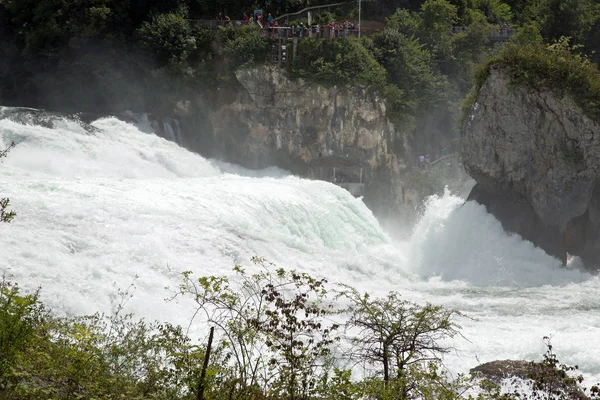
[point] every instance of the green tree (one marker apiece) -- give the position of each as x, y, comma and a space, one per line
19, 318
169, 38
338, 62
6, 215
395, 335
570, 18
272, 325
410, 67
471, 48
438, 17
244, 46
496, 11
528, 33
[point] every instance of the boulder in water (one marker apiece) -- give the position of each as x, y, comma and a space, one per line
497, 371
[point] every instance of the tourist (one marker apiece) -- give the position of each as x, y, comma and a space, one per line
245, 18
330, 30
269, 18
422, 162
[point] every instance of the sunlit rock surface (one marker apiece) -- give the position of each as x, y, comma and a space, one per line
535, 156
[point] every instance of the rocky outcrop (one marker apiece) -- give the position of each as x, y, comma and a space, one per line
305, 124
536, 156
337, 134
542, 373
497, 371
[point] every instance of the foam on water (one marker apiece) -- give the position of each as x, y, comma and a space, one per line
99, 205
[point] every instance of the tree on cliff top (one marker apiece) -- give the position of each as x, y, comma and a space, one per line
558, 67
6, 215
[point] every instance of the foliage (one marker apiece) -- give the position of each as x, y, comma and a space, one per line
272, 325
438, 18
409, 67
6, 215
496, 11
19, 316
557, 67
337, 62
398, 336
98, 356
568, 18
169, 37
471, 48
545, 380
529, 33
244, 46
405, 21
552, 379
276, 338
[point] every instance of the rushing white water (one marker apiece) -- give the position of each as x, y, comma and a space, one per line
98, 207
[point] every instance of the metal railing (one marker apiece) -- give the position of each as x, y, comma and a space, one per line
503, 34
307, 9
213, 24
314, 33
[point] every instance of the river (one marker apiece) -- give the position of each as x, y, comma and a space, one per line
99, 207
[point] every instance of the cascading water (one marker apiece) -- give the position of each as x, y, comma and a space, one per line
99, 205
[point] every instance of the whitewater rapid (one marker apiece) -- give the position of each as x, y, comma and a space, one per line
98, 207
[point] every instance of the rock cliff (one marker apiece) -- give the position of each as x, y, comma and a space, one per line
337, 134
536, 156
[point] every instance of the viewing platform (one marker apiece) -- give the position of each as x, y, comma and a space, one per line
352, 178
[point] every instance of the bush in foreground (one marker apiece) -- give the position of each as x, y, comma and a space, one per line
278, 336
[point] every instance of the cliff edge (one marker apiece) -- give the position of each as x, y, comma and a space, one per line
535, 155
339, 134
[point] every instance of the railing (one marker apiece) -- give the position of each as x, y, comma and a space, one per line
307, 9
320, 33
442, 158
503, 34
213, 24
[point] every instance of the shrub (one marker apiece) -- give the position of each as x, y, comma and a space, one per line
337, 62
6, 215
169, 37
20, 316
272, 325
243, 45
558, 67
99, 356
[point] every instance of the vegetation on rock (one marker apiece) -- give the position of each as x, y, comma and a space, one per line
558, 67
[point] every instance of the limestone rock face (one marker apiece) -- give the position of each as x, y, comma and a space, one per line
536, 157
328, 133
305, 124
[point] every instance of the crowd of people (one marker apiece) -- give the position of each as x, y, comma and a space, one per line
330, 31
271, 27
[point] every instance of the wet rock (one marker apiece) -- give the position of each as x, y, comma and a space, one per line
536, 156
497, 371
